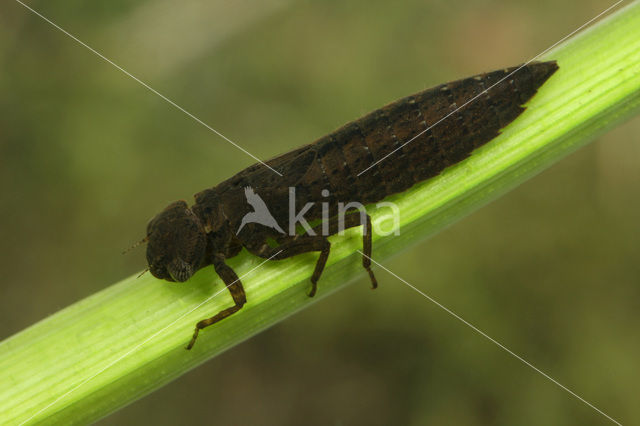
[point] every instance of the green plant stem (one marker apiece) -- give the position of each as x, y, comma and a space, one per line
106, 351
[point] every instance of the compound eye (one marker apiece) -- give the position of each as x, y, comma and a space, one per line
180, 270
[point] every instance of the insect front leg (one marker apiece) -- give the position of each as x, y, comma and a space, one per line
351, 220
293, 246
231, 280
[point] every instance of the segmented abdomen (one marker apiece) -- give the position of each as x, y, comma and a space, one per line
491, 104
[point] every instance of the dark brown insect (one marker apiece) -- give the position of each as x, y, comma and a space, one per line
230, 216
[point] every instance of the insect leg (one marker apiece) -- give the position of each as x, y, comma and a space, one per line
234, 285
293, 246
351, 220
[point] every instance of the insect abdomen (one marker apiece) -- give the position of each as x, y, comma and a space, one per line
442, 142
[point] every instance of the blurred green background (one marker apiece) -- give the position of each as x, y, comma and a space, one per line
87, 156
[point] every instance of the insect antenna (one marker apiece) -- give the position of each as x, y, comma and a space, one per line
142, 241
142, 273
